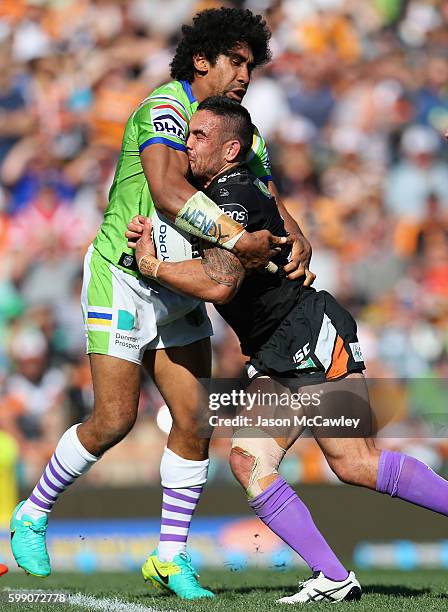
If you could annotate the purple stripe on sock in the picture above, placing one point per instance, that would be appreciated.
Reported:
(44, 494)
(40, 503)
(175, 523)
(171, 508)
(56, 488)
(63, 468)
(196, 489)
(181, 496)
(57, 475)
(172, 537)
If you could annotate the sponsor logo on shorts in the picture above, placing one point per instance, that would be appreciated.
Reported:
(103, 319)
(126, 320)
(99, 318)
(126, 341)
(304, 365)
(356, 351)
(301, 353)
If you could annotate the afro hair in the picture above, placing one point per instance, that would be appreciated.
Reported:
(215, 32)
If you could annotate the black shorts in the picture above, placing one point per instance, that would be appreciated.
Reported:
(315, 342)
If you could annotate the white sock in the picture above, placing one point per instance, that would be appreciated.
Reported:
(69, 460)
(182, 481)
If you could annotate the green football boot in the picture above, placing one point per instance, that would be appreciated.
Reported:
(178, 576)
(28, 544)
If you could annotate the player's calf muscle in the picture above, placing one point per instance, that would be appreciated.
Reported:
(99, 435)
(353, 461)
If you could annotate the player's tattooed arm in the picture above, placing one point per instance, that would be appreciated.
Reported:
(217, 280)
(223, 267)
(214, 278)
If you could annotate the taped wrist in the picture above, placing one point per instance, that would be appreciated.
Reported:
(148, 266)
(201, 217)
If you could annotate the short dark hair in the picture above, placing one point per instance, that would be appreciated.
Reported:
(216, 32)
(237, 121)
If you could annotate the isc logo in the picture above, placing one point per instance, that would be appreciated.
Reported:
(301, 353)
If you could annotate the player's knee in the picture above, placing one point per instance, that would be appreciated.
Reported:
(108, 433)
(241, 464)
(189, 444)
(252, 459)
(115, 432)
(186, 428)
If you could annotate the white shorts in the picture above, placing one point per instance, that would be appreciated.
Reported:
(125, 316)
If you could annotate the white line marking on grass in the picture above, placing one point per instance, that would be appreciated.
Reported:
(95, 603)
(110, 605)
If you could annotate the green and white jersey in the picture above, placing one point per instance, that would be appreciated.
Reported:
(162, 118)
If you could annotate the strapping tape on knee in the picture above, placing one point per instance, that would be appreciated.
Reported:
(265, 451)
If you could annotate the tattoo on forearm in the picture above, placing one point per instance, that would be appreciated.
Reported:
(223, 267)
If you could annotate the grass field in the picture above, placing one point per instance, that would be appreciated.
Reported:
(245, 591)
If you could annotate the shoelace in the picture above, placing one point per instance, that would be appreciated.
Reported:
(191, 574)
(305, 582)
(34, 543)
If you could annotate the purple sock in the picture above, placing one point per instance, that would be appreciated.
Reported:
(286, 515)
(412, 480)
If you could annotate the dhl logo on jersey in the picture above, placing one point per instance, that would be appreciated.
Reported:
(167, 120)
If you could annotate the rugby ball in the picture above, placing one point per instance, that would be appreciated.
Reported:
(171, 243)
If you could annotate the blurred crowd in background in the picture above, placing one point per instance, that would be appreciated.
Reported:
(353, 107)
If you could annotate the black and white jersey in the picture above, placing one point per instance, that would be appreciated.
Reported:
(264, 299)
